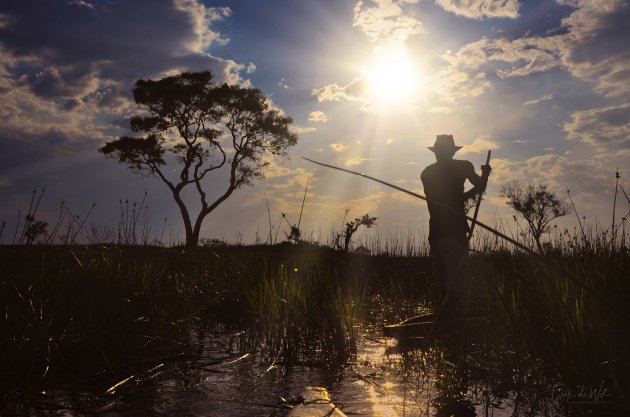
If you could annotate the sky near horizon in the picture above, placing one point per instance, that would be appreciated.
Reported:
(543, 84)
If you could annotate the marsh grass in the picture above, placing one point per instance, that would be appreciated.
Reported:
(101, 306)
(116, 309)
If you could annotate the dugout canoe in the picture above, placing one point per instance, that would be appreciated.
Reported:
(420, 327)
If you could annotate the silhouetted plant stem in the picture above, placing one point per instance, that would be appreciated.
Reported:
(269, 217)
(80, 224)
(145, 226)
(17, 226)
(28, 216)
(52, 235)
(163, 229)
(303, 200)
(614, 234)
(576, 215)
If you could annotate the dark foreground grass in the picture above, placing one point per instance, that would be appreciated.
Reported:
(79, 313)
(84, 309)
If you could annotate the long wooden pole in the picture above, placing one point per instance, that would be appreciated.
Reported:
(485, 183)
(420, 196)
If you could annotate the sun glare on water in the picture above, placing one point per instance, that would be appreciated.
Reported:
(392, 77)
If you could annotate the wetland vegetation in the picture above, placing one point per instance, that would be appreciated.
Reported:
(98, 329)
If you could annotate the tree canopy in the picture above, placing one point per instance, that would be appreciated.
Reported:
(191, 120)
(537, 205)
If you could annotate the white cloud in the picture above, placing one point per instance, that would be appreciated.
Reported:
(539, 100)
(232, 74)
(481, 144)
(384, 21)
(526, 55)
(317, 116)
(572, 3)
(478, 9)
(452, 83)
(335, 92)
(357, 160)
(338, 147)
(282, 83)
(304, 129)
(201, 18)
(594, 48)
(251, 67)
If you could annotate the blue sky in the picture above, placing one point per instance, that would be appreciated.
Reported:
(544, 84)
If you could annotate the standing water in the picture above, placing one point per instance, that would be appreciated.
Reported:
(213, 375)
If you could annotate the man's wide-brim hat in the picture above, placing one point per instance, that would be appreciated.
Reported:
(444, 143)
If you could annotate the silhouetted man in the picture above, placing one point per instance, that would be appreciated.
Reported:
(443, 184)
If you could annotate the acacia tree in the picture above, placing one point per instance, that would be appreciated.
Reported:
(204, 127)
(534, 203)
(351, 228)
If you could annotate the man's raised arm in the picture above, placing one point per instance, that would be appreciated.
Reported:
(478, 181)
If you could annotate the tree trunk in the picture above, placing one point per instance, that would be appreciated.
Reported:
(538, 244)
(191, 238)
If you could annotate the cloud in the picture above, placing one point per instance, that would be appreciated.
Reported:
(591, 181)
(525, 55)
(251, 67)
(596, 45)
(478, 9)
(539, 100)
(67, 68)
(338, 147)
(607, 128)
(357, 160)
(335, 92)
(112, 34)
(452, 83)
(593, 48)
(385, 22)
(317, 116)
(70, 49)
(282, 83)
(572, 3)
(26, 116)
(282, 177)
(388, 25)
(306, 129)
(481, 144)
(201, 18)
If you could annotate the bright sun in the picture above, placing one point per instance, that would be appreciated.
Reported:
(391, 76)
